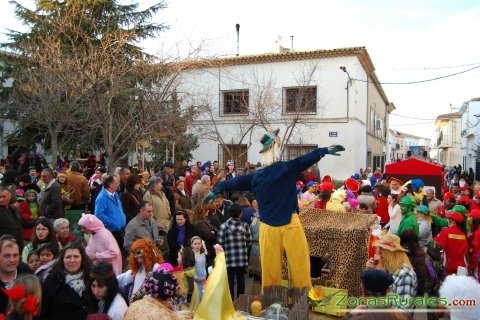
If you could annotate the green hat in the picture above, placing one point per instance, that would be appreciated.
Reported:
(268, 139)
(458, 208)
(408, 201)
(423, 209)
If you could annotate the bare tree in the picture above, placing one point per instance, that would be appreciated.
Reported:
(82, 70)
(263, 107)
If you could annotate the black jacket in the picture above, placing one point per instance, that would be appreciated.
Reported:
(60, 302)
(11, 223)
(172, 240)
(51, 205)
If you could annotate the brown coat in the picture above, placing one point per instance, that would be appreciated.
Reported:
(161, 209)
(79, 183)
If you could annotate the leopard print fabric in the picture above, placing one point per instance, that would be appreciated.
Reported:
(345, 237)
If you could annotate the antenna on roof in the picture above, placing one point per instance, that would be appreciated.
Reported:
(237, 27)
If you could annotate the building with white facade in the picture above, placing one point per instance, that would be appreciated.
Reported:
(448, 128)
(316, 98)
(404, 145)
(469, 135)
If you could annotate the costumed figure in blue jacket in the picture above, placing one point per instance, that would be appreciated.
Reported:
(280, 228)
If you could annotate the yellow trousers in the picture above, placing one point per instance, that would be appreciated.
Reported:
(289, 239)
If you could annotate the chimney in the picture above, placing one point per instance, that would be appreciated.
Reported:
(291, 44)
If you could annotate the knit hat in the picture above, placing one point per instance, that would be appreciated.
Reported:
(376, 281)
(268, 139)
(389, 242)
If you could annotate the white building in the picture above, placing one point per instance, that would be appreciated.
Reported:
(316, 98)
(448, 128)
(469, 134)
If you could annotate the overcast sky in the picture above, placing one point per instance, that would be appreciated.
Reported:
(408, 41)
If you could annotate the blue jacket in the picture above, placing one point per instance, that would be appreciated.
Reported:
(109, 210)
(274, 187)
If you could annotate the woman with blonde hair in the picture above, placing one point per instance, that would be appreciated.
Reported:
(25, 298)
(390, 256)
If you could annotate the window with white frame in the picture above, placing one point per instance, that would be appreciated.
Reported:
(300, 99)
(235, 102)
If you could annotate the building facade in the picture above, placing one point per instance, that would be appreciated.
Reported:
(316, 98)
(469, 136)
(448, 128)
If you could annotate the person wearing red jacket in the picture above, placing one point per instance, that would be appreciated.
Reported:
(475, 203)
(29, 212)
(382, 204)
(474, 265)
(453, 240)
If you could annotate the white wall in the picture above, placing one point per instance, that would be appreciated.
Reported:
(331, 107)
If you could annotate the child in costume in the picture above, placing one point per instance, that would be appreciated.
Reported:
(144, 257)
(200, 264)
(185, 272)
(29, 212)
(281, 231)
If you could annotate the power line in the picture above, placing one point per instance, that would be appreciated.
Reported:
(397, 115)
(421, 81)
(409, 124)
(439, 68)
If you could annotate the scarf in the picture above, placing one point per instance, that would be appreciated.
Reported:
(75, 281)
(181, 235)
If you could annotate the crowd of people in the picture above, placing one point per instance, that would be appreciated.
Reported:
(149, 236)
(144, 235)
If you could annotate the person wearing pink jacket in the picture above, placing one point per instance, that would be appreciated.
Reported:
(101, 244)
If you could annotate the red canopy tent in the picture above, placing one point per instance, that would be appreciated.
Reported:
(431, 174)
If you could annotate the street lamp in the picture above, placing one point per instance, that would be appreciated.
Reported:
(349, 83)
(348, 74)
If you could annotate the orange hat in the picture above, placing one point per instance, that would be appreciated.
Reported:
(352, 185)
(393, 179)
(475, 213)
(456, 216)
